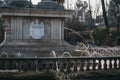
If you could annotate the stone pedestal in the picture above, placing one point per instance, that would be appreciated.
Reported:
(49, 37)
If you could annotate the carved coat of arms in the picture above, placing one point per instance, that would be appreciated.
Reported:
(36, 30)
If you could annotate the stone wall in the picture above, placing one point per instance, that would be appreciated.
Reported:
(19, 28)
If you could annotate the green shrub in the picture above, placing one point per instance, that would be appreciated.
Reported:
(99, 35)
(115, 36)
(28, 76)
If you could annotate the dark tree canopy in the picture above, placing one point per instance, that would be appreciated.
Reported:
(114, 12)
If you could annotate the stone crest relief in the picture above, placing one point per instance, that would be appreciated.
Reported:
(37, 29)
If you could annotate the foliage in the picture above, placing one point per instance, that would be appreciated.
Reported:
(98, 74)
(90, 75)
(115, 37)
(81, 22)
(114, 13)
(99, 35)
(28, 76)
(75, 24)
(73, 38)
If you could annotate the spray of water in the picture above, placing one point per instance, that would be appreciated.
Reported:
(91, 51)
(4, 39)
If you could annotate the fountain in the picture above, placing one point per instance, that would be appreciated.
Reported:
(97, 51)
(94, 51)
(35, 34)
(26, 37)
(3, 42)
(3, 54)
(66, 54)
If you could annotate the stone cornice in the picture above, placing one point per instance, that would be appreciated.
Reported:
(36, 13)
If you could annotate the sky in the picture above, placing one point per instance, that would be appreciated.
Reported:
(94, 5)
(35, 1)
(71, 2)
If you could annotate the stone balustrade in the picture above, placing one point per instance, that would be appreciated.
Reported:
(74, 64)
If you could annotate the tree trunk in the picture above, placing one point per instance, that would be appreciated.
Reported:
(118, 25)
(105, 17)
(107, 40)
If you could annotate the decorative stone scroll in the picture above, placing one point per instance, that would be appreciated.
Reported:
(36, 30)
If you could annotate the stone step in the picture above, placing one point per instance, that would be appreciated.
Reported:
(32, 49)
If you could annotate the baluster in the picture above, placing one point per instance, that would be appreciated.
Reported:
(108, 63)
(24, 66)
(30, 65)
(33, 66)
(35, 62)
(93, 65)
(71, 65)
(6, 65)
(55, 65)
(97, 64)
(50, 65)
(82, 65)
(112, 64)
(87, 64)
(10, 65)
(60, 66)
(19, 66)
(36, 65)
(3, 65)
(39, 65)
(102, 64)
(117, 63)
(68, 68)
(78, 66)
(47, 67)
(14, 65)
(65, 65)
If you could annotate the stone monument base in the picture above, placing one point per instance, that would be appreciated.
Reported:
(32, 48)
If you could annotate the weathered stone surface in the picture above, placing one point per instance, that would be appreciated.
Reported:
(36, 48)
(18, 31)
(20, 3)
